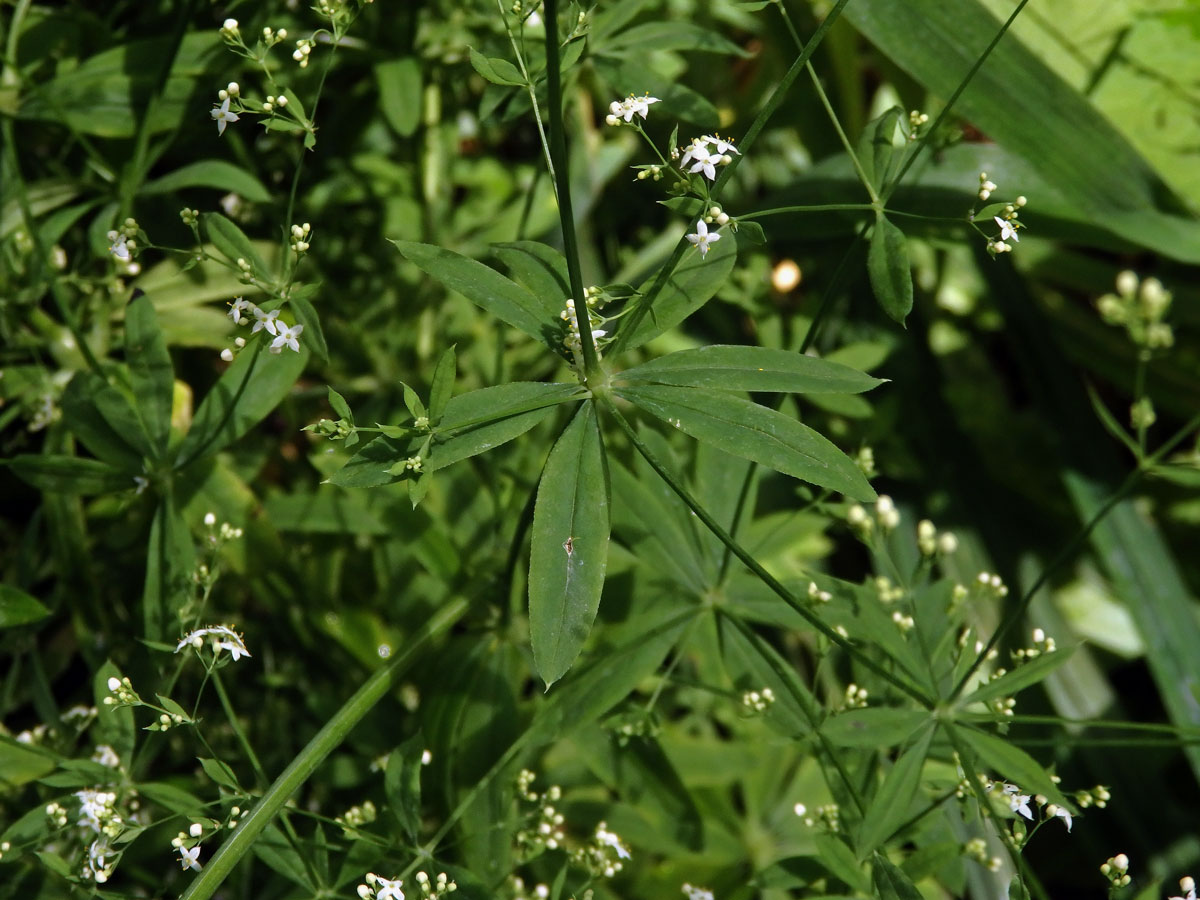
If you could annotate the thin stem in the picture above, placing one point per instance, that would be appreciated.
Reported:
(750, 562)
(307, 760)
(1139, 391)
(537, 112)
(840, 275)
(558, 152)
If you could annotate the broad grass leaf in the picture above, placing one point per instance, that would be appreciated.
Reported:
(488, 289)
(248, 391)
(1009, 761)
(399, 83)
(150, 372)
(875, 726)
(232, 243)
(737, 368)
(890, 807)
(890, 881)
(211, 173)
(1020, 103)
(753, 432)
(19, 608)
(889, 271)
(690, 286)
(569, 550)
(1016, 680)
(63, 474)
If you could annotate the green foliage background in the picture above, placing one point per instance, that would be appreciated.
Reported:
(998, 410)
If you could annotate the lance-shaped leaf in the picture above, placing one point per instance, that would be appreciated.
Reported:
(473, 423)
(248, 391)
(170, 561)
(753, 432)
(69, 474)
(569, 546)
(888, 268)
(734, 368)
(102, 417)
(1031, 672)
(233, 244)
(875, 726)
(542, 270)
(150, 373)
(1010, 762)
(889, 807)
(486, 288)
(695, 279)
(18, 607)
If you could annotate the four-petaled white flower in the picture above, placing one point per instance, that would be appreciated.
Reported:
(236, 308)
(1061, 812)
(264, 319)
(641, 105)
(707, 164)
(1018, 802)
(627, 108)
(287, 337)
(697, 149)
(1007, 229)
(189, 859)
(223, 115)
(723, 146)
(388, 890)
(702, 239)
(117, 246)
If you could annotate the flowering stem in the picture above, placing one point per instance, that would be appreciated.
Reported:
(307, 760)
(558, 153)
(748, 559)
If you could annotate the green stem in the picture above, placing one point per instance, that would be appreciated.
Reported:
(306, 762)
(748, 559)
(1139, 391)
(558, 153)
(537, 112)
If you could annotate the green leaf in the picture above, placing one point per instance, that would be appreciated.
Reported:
(878, 145)
(541, 269)
(221, 774)
(102, 417)
(875, 726)
(307, 316)
(890, 881)
(488, 289)
(1015, 680)
(734, 368)
(442, 385)
(839, 859)
(248, 391)
(399, 83)
(172, 798)
(339, 405)
(1029, 110)
(753, 432)
(750, 232)
(888, 268)
(1010, 762)
(672, 35)
(752, 664)
(211, 173)
(695, 280)
(402, 784)
(232, 243)
(629, 74)
(170, 563)
(691, 207)
(150, 372)
(569, 550)
(113, 726)
(497, 71)
(282, 855)
(21, 764)
(69, 474)
(891, 806)
(19, 608)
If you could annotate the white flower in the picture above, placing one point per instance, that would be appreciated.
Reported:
(1007, 229)
(189, 859)
(702, 239)
(264, 319)
(388, 890)
(708, 164)
(695, 893)
(236, 308)
(1187, 884)
(1061, 812)
(723, 146)
(639, 105)
(1018, 802)
(236, 650)
(287, 337)
(224, 638)
(697, 149)
(223, 115)
(117, 246)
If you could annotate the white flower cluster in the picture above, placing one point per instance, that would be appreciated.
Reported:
(189, 857)
(221, 637)
(695, 893)
(758, 701)
(931, 543)
(377, 888)
(1139, 306)
(828, 815)
(705, 153)
(1019, 804)
(223, 114)
(603, 855)
(626, 109)
(1041, 644)
(1116, 870)
(573, 341)
(121, 243)
(284, 335)
(97, 812)
(856, 697)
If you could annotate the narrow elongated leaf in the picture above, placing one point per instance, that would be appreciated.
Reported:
(21, 764)
(1011, 762)
(888, 268)
(890, 881)
(103, 418)
(399, 83)
(569, 550)
(876, 726)
(442, 385)
(839, 860)
(211, 173)
(541, 269)
(150, 372)
(69, 474)
(248, 391)
(486, 288)
(753, 663)
(753, 432)
(313, 336)
(18, 607)
(1022, 676)
(402, 783)
(734, 368)
(233, 244)
(889, 807)
(670, 36)
(691, 285)
(169, 565)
